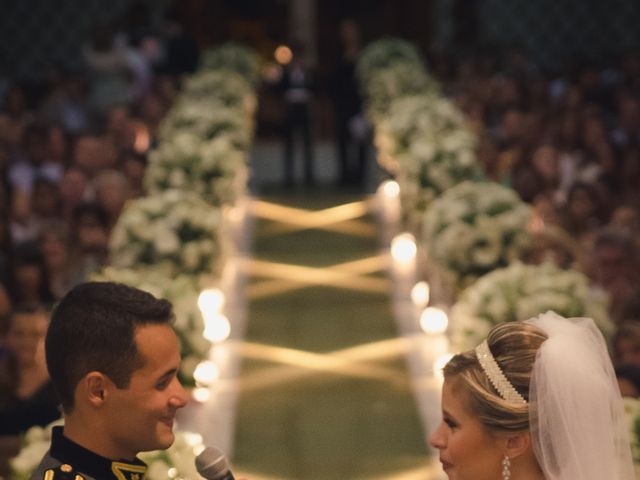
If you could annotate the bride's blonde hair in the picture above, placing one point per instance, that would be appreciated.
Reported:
(514, 346)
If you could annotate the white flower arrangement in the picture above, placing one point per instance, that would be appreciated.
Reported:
(221, 88)
(383, 54)
(426, 124)
(35, 443)
(233, 56)
(520, 292)
(177, 462)
(207, 122)
(632, 415)
(174, 230)
(215, 169)
(388, 69)
(472, 229)
(182, 291)
(387, 85)
(433, 148)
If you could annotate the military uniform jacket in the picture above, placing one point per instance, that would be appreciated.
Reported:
(66, 460)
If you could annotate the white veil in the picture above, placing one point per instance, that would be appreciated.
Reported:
(577, 420)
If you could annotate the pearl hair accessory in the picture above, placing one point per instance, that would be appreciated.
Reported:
(495, 375)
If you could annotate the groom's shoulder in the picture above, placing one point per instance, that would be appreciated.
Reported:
(52, 469)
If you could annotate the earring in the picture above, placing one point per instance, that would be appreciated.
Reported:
(506, 470)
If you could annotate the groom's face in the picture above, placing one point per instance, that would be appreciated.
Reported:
(142, 414)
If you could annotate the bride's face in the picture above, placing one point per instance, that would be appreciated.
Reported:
(467, 450)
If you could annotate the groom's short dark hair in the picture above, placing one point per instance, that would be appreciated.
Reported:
(93, 329)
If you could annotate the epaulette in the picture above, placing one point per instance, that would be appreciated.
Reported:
(62, 472)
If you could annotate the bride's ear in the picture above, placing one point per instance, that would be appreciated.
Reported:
(517, 444)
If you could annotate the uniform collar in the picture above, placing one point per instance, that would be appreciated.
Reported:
(92, 464)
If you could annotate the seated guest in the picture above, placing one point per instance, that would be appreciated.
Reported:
(54, 244)
(89, 238)
(28, 285)
(627, 218)
(551, 244)
(112, 191)
(628, 377)
(27, 396)
(626, 344)
(614, 269)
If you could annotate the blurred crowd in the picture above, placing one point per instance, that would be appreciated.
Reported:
(73, 150)
(569, 144)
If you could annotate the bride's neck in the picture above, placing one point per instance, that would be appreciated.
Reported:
(526, 468)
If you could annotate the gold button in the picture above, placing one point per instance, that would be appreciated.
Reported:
(66, 468)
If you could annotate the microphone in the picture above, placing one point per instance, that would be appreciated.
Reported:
(212, 464)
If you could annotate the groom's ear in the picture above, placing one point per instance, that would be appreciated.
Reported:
(517, 444)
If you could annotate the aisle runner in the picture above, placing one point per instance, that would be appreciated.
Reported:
(324, 389)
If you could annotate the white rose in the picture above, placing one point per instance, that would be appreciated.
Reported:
(152, 208)
(191, 255)
(424, 151)
(528, 307)
(497, 308)
(125, 257)
(119, 236)
(184, 462)
(557, 301)
(177, 178)
(540, 282)
(141, 230)
(30, 456)
(439, 177)
(488, 243)
(181, 319)
(157, 470)
(165, 241)
(135, 214)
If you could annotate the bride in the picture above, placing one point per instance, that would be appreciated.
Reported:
(537, 400)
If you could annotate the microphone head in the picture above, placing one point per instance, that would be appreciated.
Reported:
(212, 464)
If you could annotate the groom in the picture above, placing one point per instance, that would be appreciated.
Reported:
(113, 358)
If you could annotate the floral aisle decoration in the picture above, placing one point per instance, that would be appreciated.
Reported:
(472, 229)
(207, 122)
(177, 462)
(35, 443)
(175, 240)
(221, 87)
(433, 147)
(386, 86)
(205, 138)
(216, 169)
(174, 230)
(520, 292)
(384, 54)
(390, 68)
(182, 291)
(422, 138)
(235, 57)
